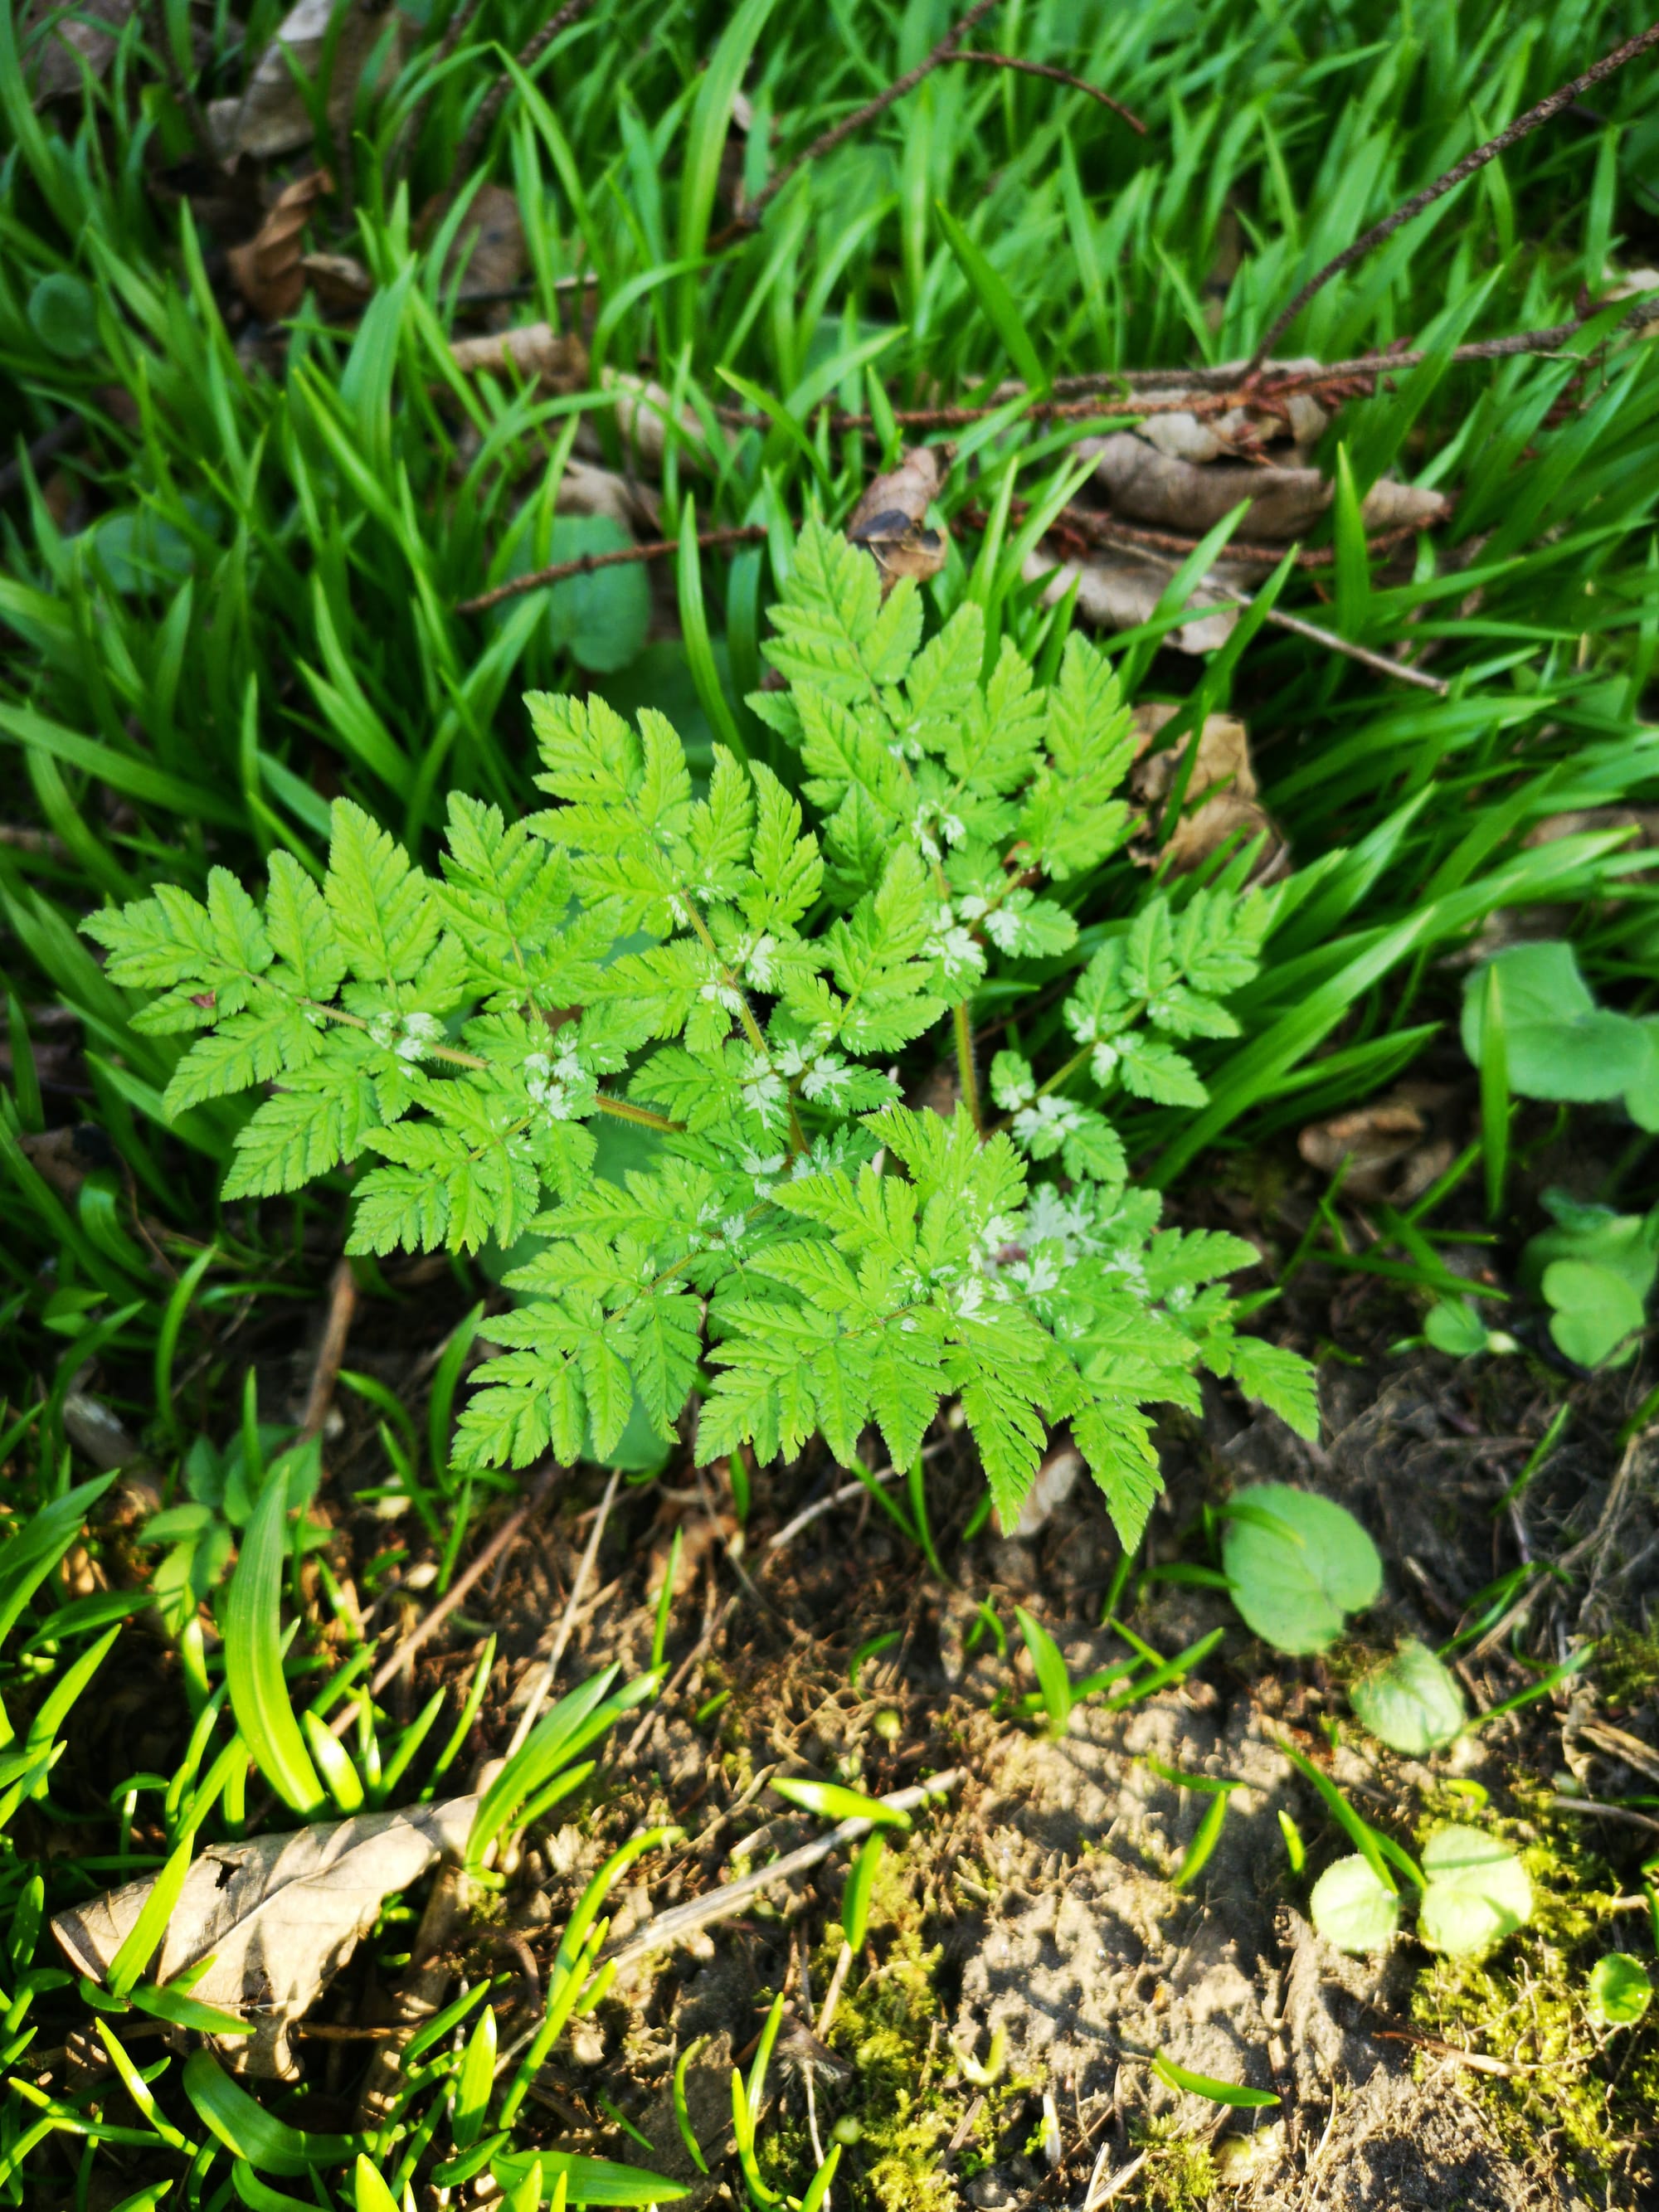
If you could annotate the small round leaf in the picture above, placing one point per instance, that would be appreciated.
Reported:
(1620, 1990)
(1478, 1892)
(1454, 1328)
(1412, 1702)
(1298, 1564)
(1596, 1309)
(64, 315)
(1350, 1908)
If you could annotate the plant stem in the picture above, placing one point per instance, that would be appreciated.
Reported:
(624, 1110)
(967, 1074)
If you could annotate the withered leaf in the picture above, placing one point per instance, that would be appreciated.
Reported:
(1392, 1152)
(1169, 492)
(268, 271)
(1121, 588)
(340, 280)
(489, 251)
(277, 1915)
(1221, 803)
(269, 118)
(57, 42)
(890, 520)
(536, 352)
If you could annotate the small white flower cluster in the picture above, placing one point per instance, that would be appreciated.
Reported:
(411, 1036)
(952, 944)
(559, 1083)
(933, 828)
(1042, 1126)
(1095, 1027)
(757, 959)
(764, 1089)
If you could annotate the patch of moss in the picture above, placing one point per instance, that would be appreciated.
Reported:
(1180, 2173)
(904, 2093)
(1627, 1668)
(1580, 2098)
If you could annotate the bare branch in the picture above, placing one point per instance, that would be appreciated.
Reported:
(1522, 127)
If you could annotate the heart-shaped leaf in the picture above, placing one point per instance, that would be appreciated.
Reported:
(1410, 1702)
(64, 315)
(1477, 1892)
(1620, 1990)
(1350, 1908)
(1595, 1309)
(1298, 1564)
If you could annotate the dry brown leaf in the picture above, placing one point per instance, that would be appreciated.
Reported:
(536, 352)
(1171, 493)
(342, 285)
(1392, 1152)
(1119, 589)
(699, 1532)
(56, 42)
(1055, 1481)
(890, 520)
(489, 251)
(1222, 802)
(268, 271)
(269, 118)
(586, 488)
(278, 1916)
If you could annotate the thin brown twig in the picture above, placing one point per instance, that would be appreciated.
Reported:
(484, 121)
(1401, 670)
(330, 1352)
(1523, 126)
(1055, 75)
(538, 1696)
(1598, 1809)
(1476, 2061)
(659, 548)
(1201, 391)
(827, 141)
(681, 1921)
(1107, 529)
(506, 1535)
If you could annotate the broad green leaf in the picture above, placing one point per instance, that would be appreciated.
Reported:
(589, 2180)
(831, 1801)
(1203, 2085)
(1053, 1680)
(1596, 1311)
(860, 1887)
(1298, 1564)
(249, 2131)
(253, 1657)
(1350, 1908)
(64, 314)
(1477, 1892)
(1453, 1325)
(1412, 1702)
(1620, 1990)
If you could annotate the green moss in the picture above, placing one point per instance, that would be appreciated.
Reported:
(905, 2092)
(1180, 2175)
(1589, 2105)
(1627, 1668)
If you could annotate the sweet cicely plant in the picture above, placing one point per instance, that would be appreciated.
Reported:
(757, 994)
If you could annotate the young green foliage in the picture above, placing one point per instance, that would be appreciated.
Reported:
(752, 989)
